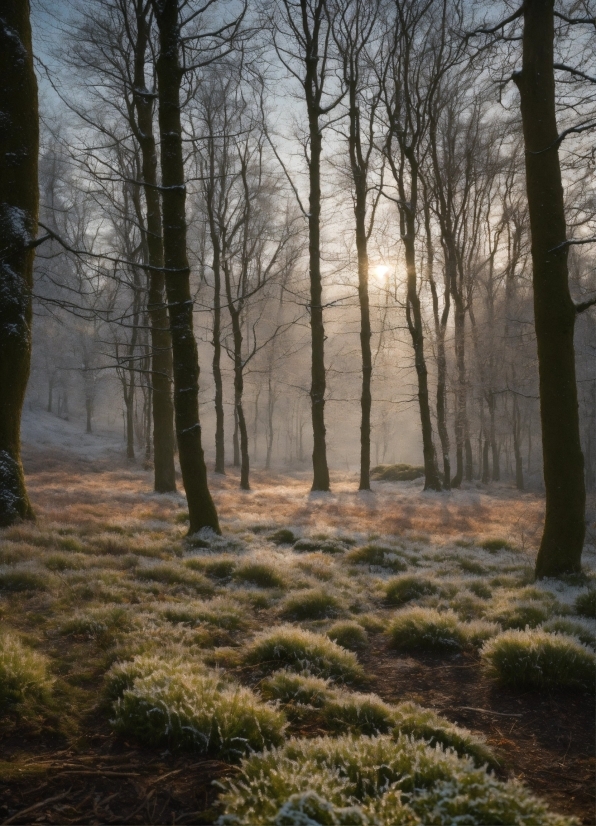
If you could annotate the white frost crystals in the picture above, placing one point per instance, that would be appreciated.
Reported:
(10, 495)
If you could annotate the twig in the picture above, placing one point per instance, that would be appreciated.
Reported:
(100, 773)
(35, 806)
(485, 711)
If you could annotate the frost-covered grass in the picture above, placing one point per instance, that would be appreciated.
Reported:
(23, 673)
(106, 576)
(22, 580)
(538, 659)
(302, 650)
(426, 629)
(314, 604)
(348, 634)
(406, 588)
(183, 705)
(374, 780)
(585, 604)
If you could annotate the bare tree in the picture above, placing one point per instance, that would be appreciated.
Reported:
(302, 34)
(411, 69)
(201, 508)
(353, 28)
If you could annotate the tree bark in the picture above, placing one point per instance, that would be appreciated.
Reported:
(318, 377)
(414, 319)
(201, 509)
(164, 442)
(440, 320)
(554, 312)
(19, 204)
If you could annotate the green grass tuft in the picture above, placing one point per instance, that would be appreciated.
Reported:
(21, 580)
(570, 627)
(311, 605)
(496, 544)
(348, 634)
(175, 575)
(426, 629)
(404, 589)
(377, 556)
(284, 536)
(188, 707)
(374, 780)
(23, 673)
(537, 659)
(260, 574)
(300, 650)
(585, 604)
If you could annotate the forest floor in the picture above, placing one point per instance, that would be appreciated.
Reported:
(97, 578)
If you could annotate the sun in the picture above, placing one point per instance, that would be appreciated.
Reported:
(380, 272)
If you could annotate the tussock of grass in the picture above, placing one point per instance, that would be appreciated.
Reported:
(494, 545)
(377, 556)
(284, 536)
(175, 575)
(374, 780)
(260, 574)
(300, 650)
(23, 673)
(111, 546)
(218, 568)
(404, 589)
(311, 605)
(585, 604)
(367, 714)
(98, 622)
(220, 613)
(515, 613)
(537, 659)
(296, 690)
(480, 589)
(348, 634)
(326, 546)
(22, 580)
(426, 629)
(65, 562)
(191, 708)
(570, 627)
(470, 566)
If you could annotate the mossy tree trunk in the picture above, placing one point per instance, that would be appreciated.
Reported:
(554, 312)
(19, 203)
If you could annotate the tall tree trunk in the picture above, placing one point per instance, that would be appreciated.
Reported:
(496, 472)
(220, 466)
(89, 412)
(164, 443)
(19, 203)
(485, 463)
(440, 320)
(318, 378)
(240, 419)
(460, 390)
(414, 319)
(270, 411)
(318, 383)
(554, 312)
(519, 464)
(201, 508)
(365, 328)
(129, 400)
